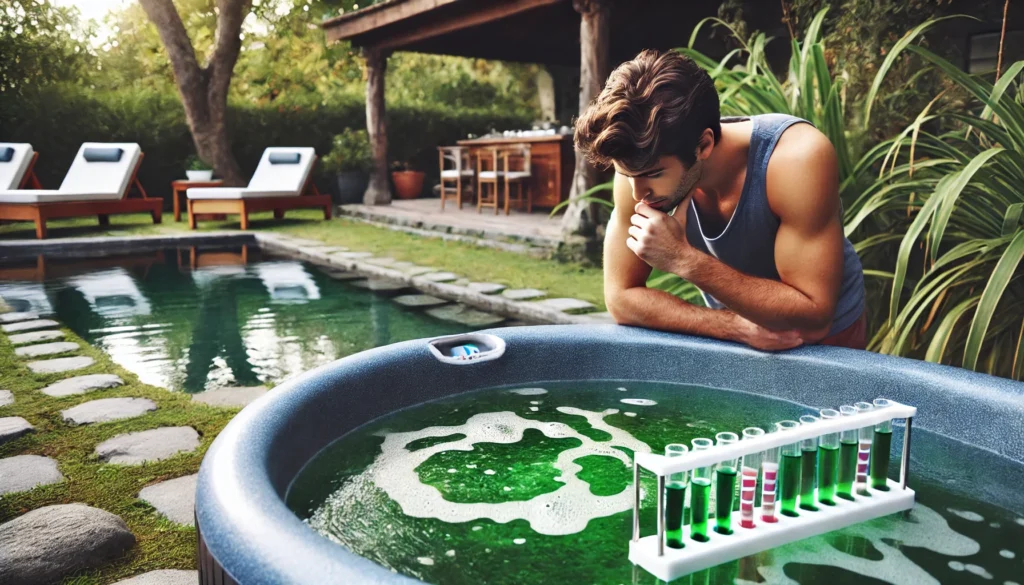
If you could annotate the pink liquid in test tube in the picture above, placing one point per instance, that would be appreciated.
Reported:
(863, 451)
(771, 473)
(748, 488)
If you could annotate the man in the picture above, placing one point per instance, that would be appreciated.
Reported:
(747, 209)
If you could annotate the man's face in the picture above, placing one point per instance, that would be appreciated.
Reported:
(665, 185)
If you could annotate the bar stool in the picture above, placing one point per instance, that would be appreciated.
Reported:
(462, 169)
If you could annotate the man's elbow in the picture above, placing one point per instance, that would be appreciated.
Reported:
(618, 308)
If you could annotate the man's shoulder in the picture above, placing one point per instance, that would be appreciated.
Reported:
(803, 169)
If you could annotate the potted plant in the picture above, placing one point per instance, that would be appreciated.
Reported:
(197, 170)
(349, 162)
(408, 182)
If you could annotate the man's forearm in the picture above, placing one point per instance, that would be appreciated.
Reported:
(657, 309)
(769, 303)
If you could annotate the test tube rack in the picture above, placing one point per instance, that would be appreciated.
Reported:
(667, 564)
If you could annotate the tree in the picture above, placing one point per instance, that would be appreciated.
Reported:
(204, 89)
(45, 44)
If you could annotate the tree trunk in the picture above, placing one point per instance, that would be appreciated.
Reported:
(204, 90)
(377, 192)
(581, 219)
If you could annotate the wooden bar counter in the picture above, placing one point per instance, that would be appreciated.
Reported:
(552, 162)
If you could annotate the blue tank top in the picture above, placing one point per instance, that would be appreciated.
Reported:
(748, 241)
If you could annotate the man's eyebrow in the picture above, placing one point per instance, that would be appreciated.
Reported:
(645, 173)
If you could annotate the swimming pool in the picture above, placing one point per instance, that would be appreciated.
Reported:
(195, 319)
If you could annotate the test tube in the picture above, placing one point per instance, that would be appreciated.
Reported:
(725, 485)
(675, 498)
(808, 466)
(748, 480)
(769, 488)
(880, 450)
(863, 451)
(847, 457)
(790, 470)
(828, 461)
(700, 495)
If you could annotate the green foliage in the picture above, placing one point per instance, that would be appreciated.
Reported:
(194, 163)
(350, 152)
(38, 46)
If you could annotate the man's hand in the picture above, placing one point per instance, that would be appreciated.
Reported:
(659, 239)
(752, 334)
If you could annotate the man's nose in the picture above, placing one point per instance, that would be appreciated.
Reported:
(640, 190)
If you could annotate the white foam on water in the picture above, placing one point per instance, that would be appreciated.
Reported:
(534, 408)
(475, 528)
(566, 510)
(530, 391)
(471, 466)
(925, 528)
(1010, 583)
(994, 525)
(979, 571)
(535, 402)
(507, 489)
(638, 402)
(629, 413)
(453, 471)
(967, 515)
(621, 389)
(450, 553)
(1007, 554)
(1020, 521)
(490, 472)
(520, 541)
(425, 561)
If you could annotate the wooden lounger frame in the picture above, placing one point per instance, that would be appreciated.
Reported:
(39, 213)
(309, 198)
(30, 180)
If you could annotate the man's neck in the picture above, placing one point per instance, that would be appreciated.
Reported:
(724, 168)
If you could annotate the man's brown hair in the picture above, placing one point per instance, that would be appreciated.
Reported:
(658, 104)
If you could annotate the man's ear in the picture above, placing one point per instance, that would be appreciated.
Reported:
(706, 144)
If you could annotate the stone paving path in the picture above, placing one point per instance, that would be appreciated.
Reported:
(35, 336)
(82, 384)
(56, 366)
(24, 472)
(42, 349)
(175, 498)
(163, 577)
(107, 410)
(146, 446)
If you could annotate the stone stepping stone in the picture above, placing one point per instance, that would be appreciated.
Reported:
(29, 325)
(146, 446)
(107, 409)
(12, 427)
(175, 498)
(417, 270)
(46, 349)
(344, 275)
(230, 397)
(35, 337)
(24, 472)
(48, 544)
(403, 266)
(6, 397)
(566, 305)
(380, 285)
(461, 282)
(82, 384)
(523, 294)
(603, 317)
(60, 364)
(352, 255)
(382, 261)
(465, 316)
(486, 288)
(163, 577)
(419, 301)
(440, 276)
(14, 317)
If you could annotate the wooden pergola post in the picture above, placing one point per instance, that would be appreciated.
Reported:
(580, 220)
(378, 191)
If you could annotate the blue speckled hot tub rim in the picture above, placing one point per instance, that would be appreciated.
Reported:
(246, 528)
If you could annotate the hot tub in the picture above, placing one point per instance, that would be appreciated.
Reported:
(248, 534)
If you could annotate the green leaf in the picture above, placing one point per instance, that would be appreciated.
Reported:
(1001, 275)
(945, 330)
(1012, 218)
(951, 193)
(906, 246)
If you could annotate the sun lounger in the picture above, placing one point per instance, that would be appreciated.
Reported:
(17, 163)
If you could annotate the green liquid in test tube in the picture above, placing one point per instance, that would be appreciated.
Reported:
(847, 457)
(828, 461)
(675, 499)
(880, 450)
(790, 480)
(725, 486)
(700, 495)
(808, 466)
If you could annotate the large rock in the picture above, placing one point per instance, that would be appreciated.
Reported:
(82, 384)
(174, 498)
(380, 285)
(465, 316)
(439, 276)
(60, 364)
(24, 472)
(145, 446)
(419, 301)
(108, 409)
(46, 349)
(15, 317)
(522, 294)
(50, 543)
(486, 288)
(12, 427)
(36, 336)
(6, 397)
(163, 577)
(230, 397)
(29, 325)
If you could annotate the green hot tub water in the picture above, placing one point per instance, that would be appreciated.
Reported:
(527, 486)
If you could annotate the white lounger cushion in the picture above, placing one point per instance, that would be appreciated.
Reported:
(86, 181)
(454, 174)
(269, 180)
(12, 172)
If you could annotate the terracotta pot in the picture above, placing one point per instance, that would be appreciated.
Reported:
(408, 184)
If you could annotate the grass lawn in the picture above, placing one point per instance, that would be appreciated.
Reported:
(514, 270)
(114, 488)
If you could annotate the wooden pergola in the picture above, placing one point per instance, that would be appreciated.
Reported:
(590, 34)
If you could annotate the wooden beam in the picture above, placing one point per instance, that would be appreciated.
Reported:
(375, 16)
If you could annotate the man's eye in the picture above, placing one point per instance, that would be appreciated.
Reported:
(654, 176)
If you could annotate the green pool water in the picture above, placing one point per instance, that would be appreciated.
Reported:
(525, 486)
(226, 322)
